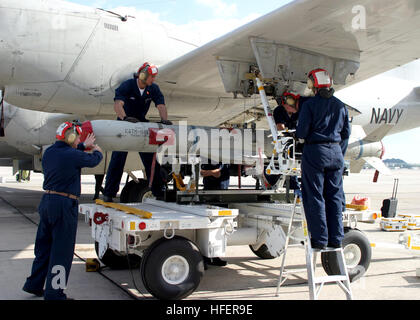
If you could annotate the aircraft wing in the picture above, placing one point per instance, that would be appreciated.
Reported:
(78, 71)
(353, 112)
(357, 165)
(378, 34)
(380, 133)
(378, 165)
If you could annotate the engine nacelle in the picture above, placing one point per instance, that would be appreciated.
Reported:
(28, 130)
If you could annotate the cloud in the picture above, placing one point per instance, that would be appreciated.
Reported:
(219, 7)
(198, 32)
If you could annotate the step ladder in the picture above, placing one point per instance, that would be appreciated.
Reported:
(315, 283)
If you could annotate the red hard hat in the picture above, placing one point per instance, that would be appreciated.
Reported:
(62, 129)
(149, 69)
(287, 96)
(320, 78)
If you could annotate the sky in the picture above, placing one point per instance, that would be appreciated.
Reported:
(184, 11)
(208, 19)
(205, 20)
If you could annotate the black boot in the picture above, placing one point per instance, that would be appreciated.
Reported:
(334, 245)
(215, 262)
(108, 199)
(36, 293)
(316, 245)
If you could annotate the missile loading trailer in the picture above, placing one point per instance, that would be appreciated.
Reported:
(168, 238)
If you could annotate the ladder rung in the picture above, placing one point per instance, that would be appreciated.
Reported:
(293, 271)
(342, 279)
(329, 279)
(295, 245)
(327, 250)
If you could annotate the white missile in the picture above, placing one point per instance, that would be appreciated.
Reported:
(239, 146)
(235, 146)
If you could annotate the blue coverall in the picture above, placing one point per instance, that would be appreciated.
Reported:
(324, 124)
(212, 183)
(56, 235)
(135, 106)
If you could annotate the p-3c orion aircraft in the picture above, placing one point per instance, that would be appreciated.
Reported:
(61, 61)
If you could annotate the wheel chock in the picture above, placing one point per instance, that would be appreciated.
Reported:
(92, 265)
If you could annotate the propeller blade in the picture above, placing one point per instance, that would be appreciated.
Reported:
(376, 176)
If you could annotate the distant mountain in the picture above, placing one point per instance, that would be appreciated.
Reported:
(393, 163)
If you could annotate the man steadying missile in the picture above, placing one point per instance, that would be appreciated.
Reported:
(325, 127)
(58, 210)
(286, 116)
(131, 103)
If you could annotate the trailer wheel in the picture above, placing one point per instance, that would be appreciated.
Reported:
(172, 269)
(262, 252)
(117, 262)
(135, 192)
(357, 252)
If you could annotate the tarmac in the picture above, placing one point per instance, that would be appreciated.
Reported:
(391, 275)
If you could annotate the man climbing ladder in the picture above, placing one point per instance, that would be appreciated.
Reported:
(315, 283)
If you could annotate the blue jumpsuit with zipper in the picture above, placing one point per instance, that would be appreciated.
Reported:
(56, 235)
(136, 105)
(324, 124)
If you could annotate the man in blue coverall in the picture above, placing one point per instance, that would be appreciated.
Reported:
(215, 176)
(286, 116)
(56, 236)
(131, 103)
(325, 128)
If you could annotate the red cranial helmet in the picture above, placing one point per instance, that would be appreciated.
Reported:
(319, 78)
(64, 127)
(290, 99)
(147, 70)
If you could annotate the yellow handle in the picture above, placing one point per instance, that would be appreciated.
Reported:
(127, 209)
(179, 183)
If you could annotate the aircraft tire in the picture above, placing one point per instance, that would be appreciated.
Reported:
(172, 269)
(357, 252)
(135, 192)
(262, 252)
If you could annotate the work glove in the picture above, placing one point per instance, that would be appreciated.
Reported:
(131, 119)
(166, 122)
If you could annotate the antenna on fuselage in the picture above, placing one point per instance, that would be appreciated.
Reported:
(2, 133)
